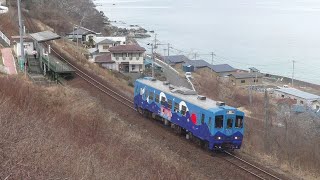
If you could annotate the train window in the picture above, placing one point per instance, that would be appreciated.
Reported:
(151, 96)
(145, 94)
(163, 100)
(239, 122)
(176, 107)
(169, 103)
(183, 110)
(219, 121)
(229, 123)
(157, 98)
(210, 122)
(202, 118)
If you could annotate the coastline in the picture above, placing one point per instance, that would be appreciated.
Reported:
(122, 28)
(259, 47)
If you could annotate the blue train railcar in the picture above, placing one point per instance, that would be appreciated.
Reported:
(215, 124)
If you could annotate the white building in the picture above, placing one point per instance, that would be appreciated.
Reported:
(301, 97)
(123, 58)
(28, 45)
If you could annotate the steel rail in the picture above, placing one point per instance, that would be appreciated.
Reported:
(106, 92)
(251, 165)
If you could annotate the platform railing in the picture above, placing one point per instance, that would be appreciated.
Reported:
(4, 37)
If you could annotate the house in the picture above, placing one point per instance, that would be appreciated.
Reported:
(82, 34)
(104, 45)
(245, 79)
(175, 59)
(27, 43)
(106, 61)
(302, 98)
(222, 70)
(128, 58)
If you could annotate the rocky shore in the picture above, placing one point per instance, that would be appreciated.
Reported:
(131, 31)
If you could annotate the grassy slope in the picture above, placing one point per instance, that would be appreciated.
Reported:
(63, 133)
(299, 154)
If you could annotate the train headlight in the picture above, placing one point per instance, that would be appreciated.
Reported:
(236, 137)
(218, 137)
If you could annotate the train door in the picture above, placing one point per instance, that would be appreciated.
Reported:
(229, 123)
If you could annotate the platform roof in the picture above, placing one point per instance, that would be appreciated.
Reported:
(44, 36)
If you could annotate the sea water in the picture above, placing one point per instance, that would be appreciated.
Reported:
(268, 35)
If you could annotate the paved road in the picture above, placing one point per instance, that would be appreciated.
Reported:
(8, 60)
(173, 76)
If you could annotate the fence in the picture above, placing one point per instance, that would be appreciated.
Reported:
(4, 37)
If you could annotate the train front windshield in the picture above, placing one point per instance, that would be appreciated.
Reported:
(239, 122)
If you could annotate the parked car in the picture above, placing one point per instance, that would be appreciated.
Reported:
(188, 75)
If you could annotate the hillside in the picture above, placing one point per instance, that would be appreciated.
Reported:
(62, 133)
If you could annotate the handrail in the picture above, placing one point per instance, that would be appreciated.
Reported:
(4, 37)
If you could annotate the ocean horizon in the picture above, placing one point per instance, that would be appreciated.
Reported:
(266, 35)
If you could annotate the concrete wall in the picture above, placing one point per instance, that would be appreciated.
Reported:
(28, 46)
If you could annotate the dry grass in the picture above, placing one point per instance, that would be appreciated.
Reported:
(60, 133)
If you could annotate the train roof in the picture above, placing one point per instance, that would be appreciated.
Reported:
(183, 93)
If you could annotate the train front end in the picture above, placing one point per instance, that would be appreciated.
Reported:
(229, 128)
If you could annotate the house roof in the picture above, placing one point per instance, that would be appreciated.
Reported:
(126, 48)
(82, 31)
(176, 59)
(220, 68)
(106, 58)
(114, 39)
(198, 63)
(298, 93)
(244, 75)
(44, 36)
(25, 38)
(106, 41)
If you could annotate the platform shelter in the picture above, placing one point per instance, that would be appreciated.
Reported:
(49, 64)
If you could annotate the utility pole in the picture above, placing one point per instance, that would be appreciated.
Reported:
(164, 55)
(195, 56)
(267, 121)
(152, 55)
(168, 49)
(212, 57)
(292, 72)
(22, 58)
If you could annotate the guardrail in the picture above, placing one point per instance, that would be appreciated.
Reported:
(4, 37)
(3, 9)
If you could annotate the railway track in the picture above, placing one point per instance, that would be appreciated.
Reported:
(248, 167)
(236, 161)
